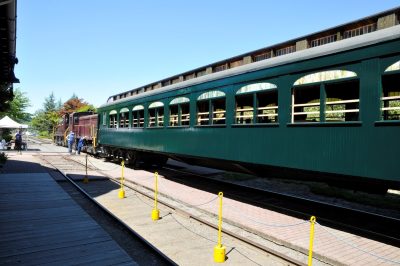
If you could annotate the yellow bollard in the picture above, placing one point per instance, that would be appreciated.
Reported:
(219, 249)
(86, 179)
(312, 220)
(121, 193)
(155, 213)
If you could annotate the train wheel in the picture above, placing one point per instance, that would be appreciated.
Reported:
(131, 157)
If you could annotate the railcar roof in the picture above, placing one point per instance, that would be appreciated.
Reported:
(383, 35)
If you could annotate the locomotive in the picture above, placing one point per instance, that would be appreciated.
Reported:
(83, 124)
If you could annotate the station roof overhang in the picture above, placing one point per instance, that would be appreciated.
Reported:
(8, 29)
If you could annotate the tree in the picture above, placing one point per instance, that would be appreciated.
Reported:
(17, 107)
(87, 108)
(72, 105)
(6, 96)
(49, 104)
(47, 118)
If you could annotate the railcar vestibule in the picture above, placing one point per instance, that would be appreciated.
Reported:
(319, 97)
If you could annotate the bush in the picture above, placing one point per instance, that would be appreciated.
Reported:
(44, 134)
(7, 137)
(3, 157)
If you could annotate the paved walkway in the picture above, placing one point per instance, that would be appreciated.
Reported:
(40, 224)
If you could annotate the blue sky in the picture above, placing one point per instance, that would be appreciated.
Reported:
(97, 48)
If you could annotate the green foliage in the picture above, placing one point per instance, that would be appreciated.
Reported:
(49, 104)
(17, 107)
(44, 134)
(74, 96)
(46, 119)
(6, 135)
(39, 121)
(6, 96)
(87, 108)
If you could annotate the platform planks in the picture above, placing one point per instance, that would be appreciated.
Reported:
(41, 224)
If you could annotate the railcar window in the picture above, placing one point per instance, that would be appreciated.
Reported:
(306, 104)
(218, 111)
(104, 118)
(267, 107)
(184, 114)
(211, 108)
(124, 118)
(156, 114)
(138, 116)
(257, 103)
(179, 112)
(244, 109)
(113, 119)
(390, 103)
(174, 115)
(337, 90)
(203, 112)
(342, 101)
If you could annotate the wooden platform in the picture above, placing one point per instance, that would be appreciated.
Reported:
(41, 224)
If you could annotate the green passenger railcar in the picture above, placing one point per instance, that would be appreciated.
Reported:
(330, 112)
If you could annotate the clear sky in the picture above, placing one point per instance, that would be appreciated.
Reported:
(97, 48)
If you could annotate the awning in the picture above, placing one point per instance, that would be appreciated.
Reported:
(7, 122)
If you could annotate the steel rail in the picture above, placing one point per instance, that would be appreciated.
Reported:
(367, 224)
(199, 219)
(115, 218)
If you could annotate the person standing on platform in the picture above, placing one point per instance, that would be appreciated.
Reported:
(70, 140)
(18, 141)
(81, 143)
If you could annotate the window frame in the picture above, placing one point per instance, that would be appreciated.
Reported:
(156, 107)
(113, 117)
(124, 114)
(207, 97)
(178, 102)
(269, 88)
(137, 110)
(349, 76)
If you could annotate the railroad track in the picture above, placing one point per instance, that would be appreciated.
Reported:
(73, 164)
(144, 252)
(366, 224)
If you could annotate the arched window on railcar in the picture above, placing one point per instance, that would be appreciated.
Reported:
(262, 97)
(156, 114)
(328, 96)
(211, 108)
(138, 116)
(179, 112)
(124, 118)
(390, 102)
(113, 119)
